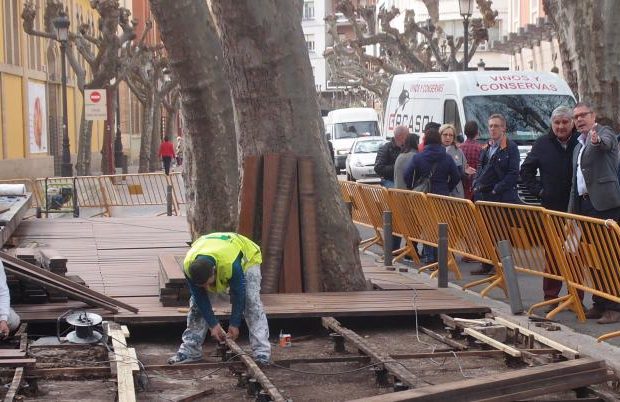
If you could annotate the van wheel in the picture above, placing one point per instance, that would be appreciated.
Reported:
(349, 177)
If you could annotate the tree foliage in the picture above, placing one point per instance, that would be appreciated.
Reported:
(417, 49)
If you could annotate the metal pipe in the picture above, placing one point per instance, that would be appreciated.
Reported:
(169, 200)
(387, 238)
(442, 256)
(512, 284)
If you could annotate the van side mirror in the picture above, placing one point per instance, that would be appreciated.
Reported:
(328, 135)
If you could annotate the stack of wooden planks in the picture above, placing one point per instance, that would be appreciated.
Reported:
(278, 211)
(24, 291)
(173, 291)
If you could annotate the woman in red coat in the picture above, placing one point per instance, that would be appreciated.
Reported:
(166, 153)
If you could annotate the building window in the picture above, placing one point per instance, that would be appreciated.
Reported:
(308, 10)
(12, 30)
(310, 42)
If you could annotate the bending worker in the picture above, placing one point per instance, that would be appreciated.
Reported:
(214, 263)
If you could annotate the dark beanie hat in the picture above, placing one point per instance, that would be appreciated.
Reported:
(201, 269)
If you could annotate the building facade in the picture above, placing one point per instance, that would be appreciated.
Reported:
(31, 93)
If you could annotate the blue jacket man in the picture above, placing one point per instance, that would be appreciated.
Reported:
(498, 171)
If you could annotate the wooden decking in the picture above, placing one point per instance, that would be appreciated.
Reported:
(119, 257)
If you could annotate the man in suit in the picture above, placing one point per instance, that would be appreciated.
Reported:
(595, 190)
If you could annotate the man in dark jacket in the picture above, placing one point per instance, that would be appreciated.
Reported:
(384, 163)
(498, 171)
(552, 155)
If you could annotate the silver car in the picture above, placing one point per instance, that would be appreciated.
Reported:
(360, 163)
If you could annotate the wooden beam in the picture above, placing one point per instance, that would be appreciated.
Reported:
(69, 373)
(124, 363)
(17, 380)
(493, 342)
(374, 352)
(444, 339)
(566, 351)
(509, 386)
(256, 372)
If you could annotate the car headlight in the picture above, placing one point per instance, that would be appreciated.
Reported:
(358, 164)
(342, 152)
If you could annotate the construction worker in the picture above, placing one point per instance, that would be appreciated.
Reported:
(215, 263)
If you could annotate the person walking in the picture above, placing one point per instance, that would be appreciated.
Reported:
(215, 263)
(595, 190)
(166, 153)
(552, 156)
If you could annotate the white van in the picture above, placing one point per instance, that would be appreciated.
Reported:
(345, 125)
(525, 98)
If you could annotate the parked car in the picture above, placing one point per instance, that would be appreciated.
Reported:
(360, 162)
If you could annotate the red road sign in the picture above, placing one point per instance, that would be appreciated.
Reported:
(95, 97)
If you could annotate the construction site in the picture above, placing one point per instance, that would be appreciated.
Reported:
(101, 294)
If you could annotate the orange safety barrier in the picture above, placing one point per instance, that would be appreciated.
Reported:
(349, 194)
(467, 234)
(533, 246)
(374, 200)
(590, 249)
(411, 226)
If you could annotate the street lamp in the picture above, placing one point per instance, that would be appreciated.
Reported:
(118, 141)
(466, 8)
(61, 23)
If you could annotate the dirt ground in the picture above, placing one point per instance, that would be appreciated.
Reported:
(300, 382)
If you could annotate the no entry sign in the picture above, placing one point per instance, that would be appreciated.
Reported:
(95, 104)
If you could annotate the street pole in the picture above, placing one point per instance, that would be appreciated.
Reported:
(66, 168)
(118, 142)
(466, 42)
(108, 131)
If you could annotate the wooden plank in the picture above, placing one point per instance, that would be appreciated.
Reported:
(171, 268)
(492, 342)
(35, 274)
(249, 195)
(309, 231)
(18, 362)
(566, 351)
(123, 362)
(255, 371)
(17, 380)
(69, 373)
(444, 339)
(509, 386)
(373, 351)
(290, 277)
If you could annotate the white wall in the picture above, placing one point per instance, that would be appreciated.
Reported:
(316, 29)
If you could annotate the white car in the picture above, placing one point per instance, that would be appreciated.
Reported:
(360, 163)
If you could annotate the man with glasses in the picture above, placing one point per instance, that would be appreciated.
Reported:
(595, 190)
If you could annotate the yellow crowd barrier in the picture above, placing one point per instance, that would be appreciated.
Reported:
(350, 193)
(591, 255)
(582, 252)
(533, 246)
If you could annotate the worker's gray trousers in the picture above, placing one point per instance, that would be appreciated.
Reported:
(255, 318)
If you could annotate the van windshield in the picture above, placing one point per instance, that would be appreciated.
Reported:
(527, 116)
(356, 129)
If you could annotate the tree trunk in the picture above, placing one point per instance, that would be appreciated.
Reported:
(82, 166)
(147, 132)
(211, 172)
(590, 50)
(276, 107)
(154, 162)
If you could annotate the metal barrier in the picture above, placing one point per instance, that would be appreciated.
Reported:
(374, 200)
(590, 249)
(360, 214)
(528, 230)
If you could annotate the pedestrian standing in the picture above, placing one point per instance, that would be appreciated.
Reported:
(471, 149)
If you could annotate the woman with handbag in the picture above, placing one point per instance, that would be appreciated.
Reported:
(432, 171)
(448, 140)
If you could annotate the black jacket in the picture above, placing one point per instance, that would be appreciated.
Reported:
(556, 170)
(384, 163)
